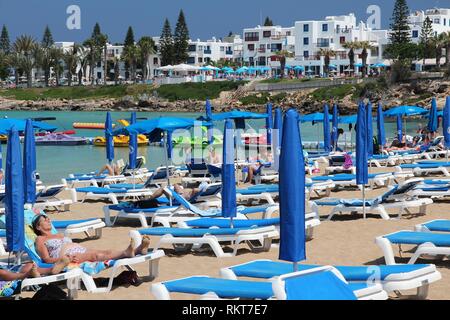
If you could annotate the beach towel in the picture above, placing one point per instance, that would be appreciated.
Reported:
(10, 288)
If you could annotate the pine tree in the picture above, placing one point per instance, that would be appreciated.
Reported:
(166, 44)
(400, 46)
(47, 39)
(128, 43)
(181, 40)
(426, 39)
(5, 45)
(129, 38)
(268, 22)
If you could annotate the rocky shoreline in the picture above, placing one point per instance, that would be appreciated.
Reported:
(418, 93)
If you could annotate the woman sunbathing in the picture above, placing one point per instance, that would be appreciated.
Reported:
(112, 169)
(31, 270)
(52, 247)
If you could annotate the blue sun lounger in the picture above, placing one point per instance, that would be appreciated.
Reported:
(324, 283)
(111, 194)
(187, 238)
(393, 278)
(434, 226)
(429, 244)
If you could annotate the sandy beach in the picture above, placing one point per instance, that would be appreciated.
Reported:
(347, 240)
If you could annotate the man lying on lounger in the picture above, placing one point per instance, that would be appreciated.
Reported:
(187, 193)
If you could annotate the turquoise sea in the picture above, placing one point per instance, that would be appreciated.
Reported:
(55, 162)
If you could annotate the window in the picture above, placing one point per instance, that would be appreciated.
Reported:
(251, 47)
(222, 49)
(342, 40)
(251, 36)
(325, 27)
(155, 61)
(191, 60)
(306, 54)
(267, 34)
(192, 48)
(288, 33)
(323, 43)
(99, 64)
(445, 21)
(305, 41)
(200, 60)
(415, 34)
(437, 21)
(200, 48)
(306, 28)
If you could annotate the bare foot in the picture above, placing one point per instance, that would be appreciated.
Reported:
(145, 244)
(34, 273)
(129, 252)
(60, 265)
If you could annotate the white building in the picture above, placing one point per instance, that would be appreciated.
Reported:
(440, 19)
(203, 52)
(332, 33)
(261, 43)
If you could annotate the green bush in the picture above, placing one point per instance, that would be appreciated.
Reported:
(337, 92)
(196, 91)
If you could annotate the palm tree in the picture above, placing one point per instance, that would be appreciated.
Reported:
(327, 54)
(281, 56)
(116, 70)
(351, 46)
(82, 62)
(103, 42)
(364, 45)
(57, 55)
(438, 42)
(146, 47)
(131, 55)
(445, 37)
(26, 48)
(13, 60)
(70, 60)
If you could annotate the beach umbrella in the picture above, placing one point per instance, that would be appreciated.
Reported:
(132, 144)
(29, 164)
(369, 126)
(312, 117)
(276, 138)
(405, 111)
(208, 110)
(109, 138)
(399, 128)
(432, 125)
(292, 193)
(361, 152)
(380, 126)
(269, 121)
(335, 127)
(446, 124)
(229, 208)
(14, 200)
(326, 129)
(7, 123)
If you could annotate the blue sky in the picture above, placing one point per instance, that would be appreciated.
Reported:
(206, 18)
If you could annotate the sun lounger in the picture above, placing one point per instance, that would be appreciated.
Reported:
(428, 244)
(48, 198)
(182, 211)
(381, 160)
(419, 169)
(111, 194)
(393, 278)
(324, 283)
(395, 198)
(440, 225)
(193, 238)
(349, 180)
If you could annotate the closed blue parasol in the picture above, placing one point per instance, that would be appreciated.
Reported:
(109, 138)
(335, 127)
(276, 138)
(432, 125)
(326, 129)
(132, 144)
(361, 151)
(269, 121)
(1, 160)
(369, 127)
(399, 128)
(446, 124)
(380, 125)
(29, 164)
(14, 200)
(292, 192)
(209, 114)
(228, 173)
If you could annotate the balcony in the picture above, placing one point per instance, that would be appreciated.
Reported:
(207, 51)
(262, 50)
(229, 52)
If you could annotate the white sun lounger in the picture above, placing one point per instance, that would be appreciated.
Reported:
(323, 283)
(109, 194)
(393, 278)
(429, 245)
